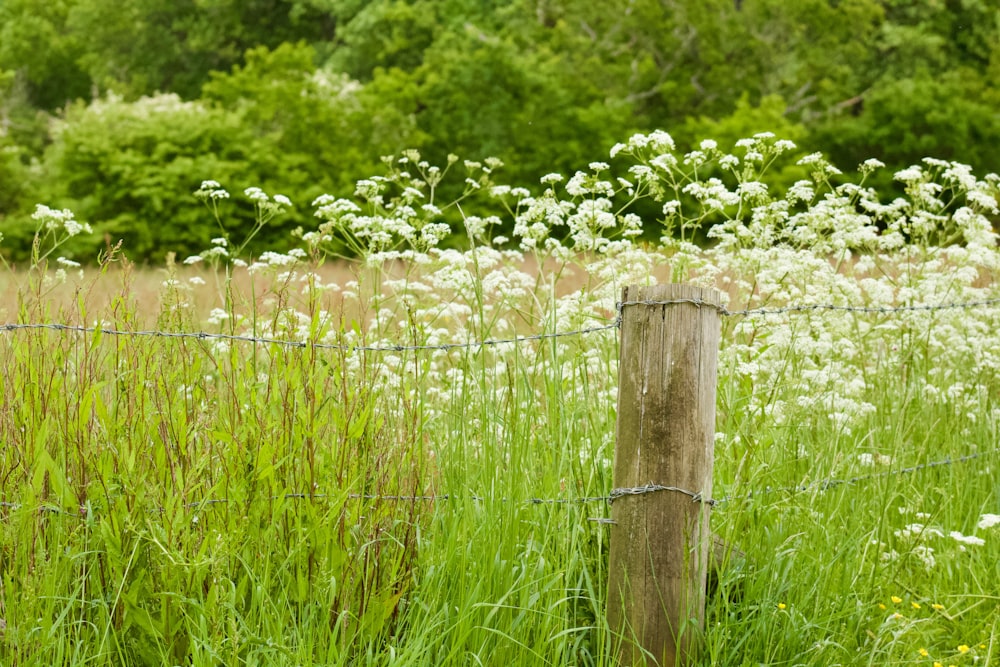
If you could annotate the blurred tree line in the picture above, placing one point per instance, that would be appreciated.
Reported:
(120, 110)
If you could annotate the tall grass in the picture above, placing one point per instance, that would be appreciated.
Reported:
(211, 502)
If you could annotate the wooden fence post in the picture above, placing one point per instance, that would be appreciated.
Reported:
(665, 438)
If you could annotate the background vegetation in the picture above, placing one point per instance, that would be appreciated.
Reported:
(119, 110)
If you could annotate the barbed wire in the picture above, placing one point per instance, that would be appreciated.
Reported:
(827, 484)
(512, 340)
(295, 344)
(819, 486)
(812, 307)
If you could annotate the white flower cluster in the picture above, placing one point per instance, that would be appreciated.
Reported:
(59, 221)
(914, 539)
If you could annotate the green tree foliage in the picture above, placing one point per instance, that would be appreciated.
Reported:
(314, 91)
(37, 47)
(481, 95)
(144, 46)
(130, 168)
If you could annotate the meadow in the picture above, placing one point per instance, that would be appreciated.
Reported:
(339, 472)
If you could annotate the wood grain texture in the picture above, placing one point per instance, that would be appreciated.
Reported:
(659, 550)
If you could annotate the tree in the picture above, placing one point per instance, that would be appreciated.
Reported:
(138, 47)
(37, 47)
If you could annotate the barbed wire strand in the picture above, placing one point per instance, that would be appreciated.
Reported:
(819, 486)
(513, 340)
(780, 310)
(295, 344)
(827, 484)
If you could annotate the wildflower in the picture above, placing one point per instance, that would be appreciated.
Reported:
(963, 648)
(256, 195)
(896, 599)
(967, 539)
(915, 605)
(211, 190)
(782, 605)
(729, 161)
(988, 521)
(937, 607)
(871, 165)
(812, 158)
(923, 652)
(217, 316)
(909, 174)
(68, 263)
(925, 554)
(52, 219)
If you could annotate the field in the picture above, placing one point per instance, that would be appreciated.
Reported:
(339, 473)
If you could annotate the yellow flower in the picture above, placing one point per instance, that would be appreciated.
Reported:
(915, 605)
(963, 649)
(881, 606)
(781, 605)
(938, 664)
(923, 653)
(896, 599)
(937, 606)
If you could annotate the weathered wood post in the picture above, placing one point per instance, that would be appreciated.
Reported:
(664, 442)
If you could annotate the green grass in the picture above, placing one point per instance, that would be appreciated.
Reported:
(114, 551)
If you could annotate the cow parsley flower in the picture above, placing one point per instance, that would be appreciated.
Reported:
(966, 539)
(211, 190)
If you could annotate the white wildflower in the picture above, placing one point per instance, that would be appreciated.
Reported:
(967, 539)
